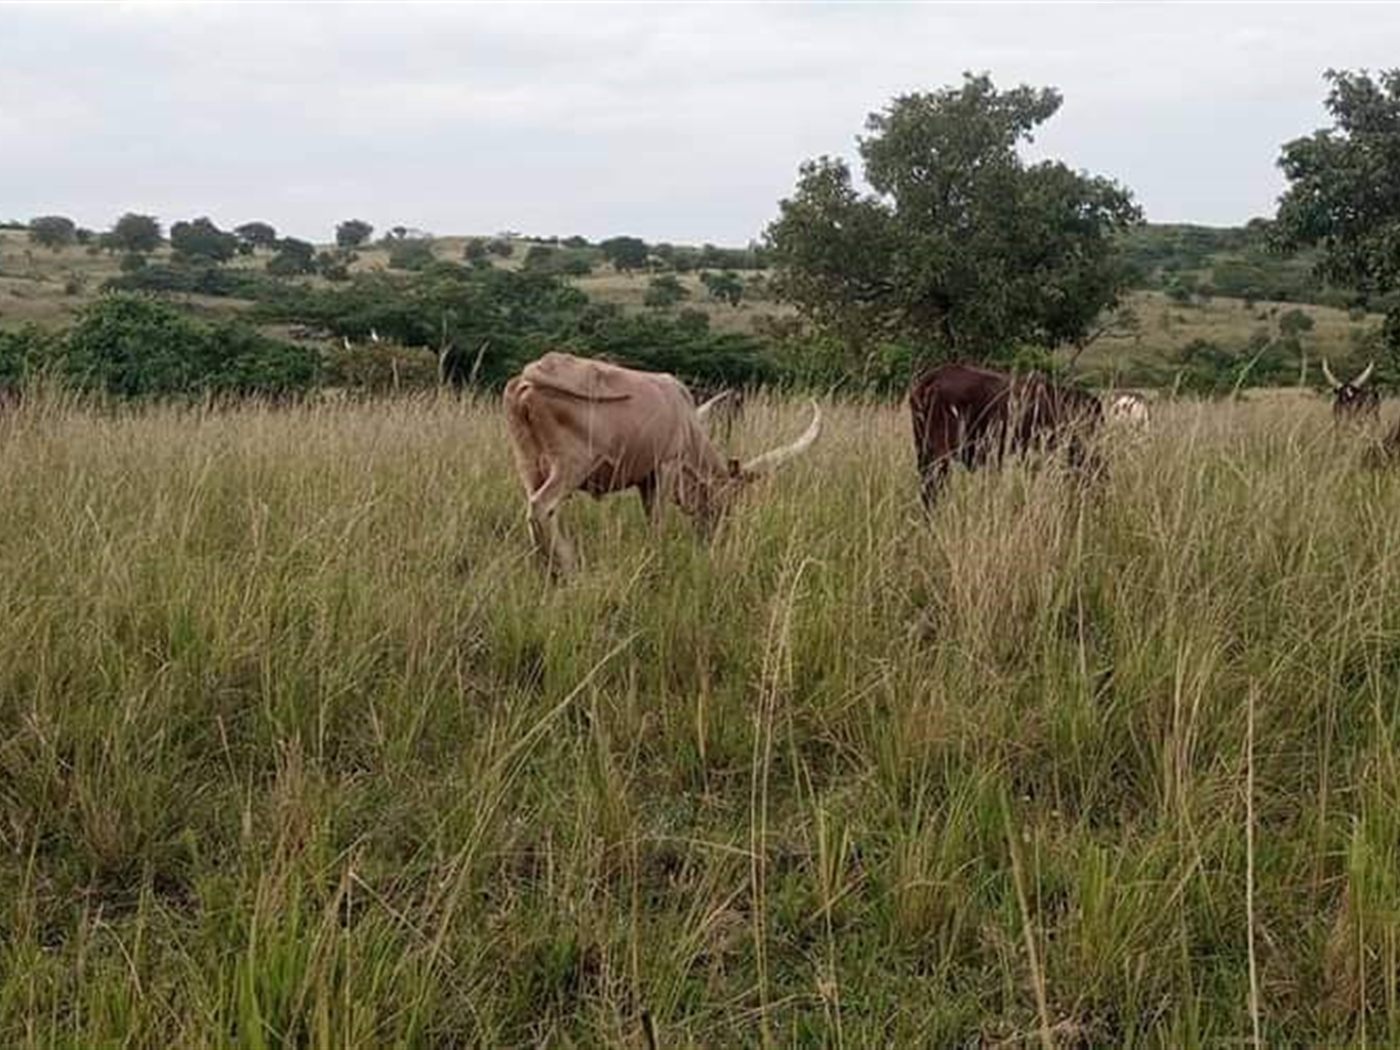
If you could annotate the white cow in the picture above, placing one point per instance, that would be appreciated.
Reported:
(1129, 410)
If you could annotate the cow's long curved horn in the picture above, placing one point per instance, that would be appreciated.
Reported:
(1327, 374)
(769, 460)
(704, 410)
(1364, 377)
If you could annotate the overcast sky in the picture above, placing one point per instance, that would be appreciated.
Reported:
(671, 122)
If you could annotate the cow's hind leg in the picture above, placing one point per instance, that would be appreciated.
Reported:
(938, 446)
(652, 502)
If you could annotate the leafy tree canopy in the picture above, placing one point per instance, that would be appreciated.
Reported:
(963, 248)
(625, 253)
(53, 231)
(134, 234)
(1343, 192)
(201, 239)
(664, 291)
(257, 234)
(293, 257)
(352, 233)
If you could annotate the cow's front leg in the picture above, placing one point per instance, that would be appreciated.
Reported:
(550, 542)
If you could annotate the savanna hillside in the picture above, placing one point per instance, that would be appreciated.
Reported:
(298, 748)
(1212, 310)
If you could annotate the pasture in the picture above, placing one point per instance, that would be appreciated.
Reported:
(297, 747)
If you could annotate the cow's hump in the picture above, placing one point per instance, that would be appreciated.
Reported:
(582, 377)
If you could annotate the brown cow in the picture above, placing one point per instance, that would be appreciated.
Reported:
(976, 414)
(578, 424)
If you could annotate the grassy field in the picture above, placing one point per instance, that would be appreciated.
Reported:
(298, 748)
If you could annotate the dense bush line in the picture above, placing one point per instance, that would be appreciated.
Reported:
(132, 347)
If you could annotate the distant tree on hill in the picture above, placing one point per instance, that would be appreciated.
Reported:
(411, 253)
(475, 249)
(575, 242)
(352, 233)
(625, 253)
(293, 257)
(1295, 322)
(257, 235)
(133, 233)
(963, 248)
(335, 266)
(501, 247)
(539, 257)
(52, 231)
(201, 240)
(727, 287)
(1180, 289)
(664, 291)
(1335, 199)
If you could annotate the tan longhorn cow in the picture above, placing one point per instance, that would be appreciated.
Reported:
(582, 425)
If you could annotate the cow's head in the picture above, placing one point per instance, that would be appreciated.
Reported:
(1350, 397)
(717, 493)
(1129, 411)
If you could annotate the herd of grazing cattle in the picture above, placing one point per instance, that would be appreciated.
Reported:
(578, 424)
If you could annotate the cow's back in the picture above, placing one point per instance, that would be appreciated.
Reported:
(612, 426)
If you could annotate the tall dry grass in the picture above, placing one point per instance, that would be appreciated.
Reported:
(298, 747)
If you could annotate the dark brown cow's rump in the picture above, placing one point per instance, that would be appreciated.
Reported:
(978, 415)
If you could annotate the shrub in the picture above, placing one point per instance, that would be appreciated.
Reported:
(664, 291)
(411, 253)
(134, 347)
(381, 368)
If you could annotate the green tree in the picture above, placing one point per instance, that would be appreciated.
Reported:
(411, 253)
(335, 266)
(257, 235)
(352, 233)
(1295, 322)
(201, 240)
(53, 231)
(625, 253)
(1341, 190)
(963, 248)
(501, 247)
(664, 291)
(727, 287)
(539, 258)
(293, 257)
(1181, 288)
(474, 249)
(134, 234)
